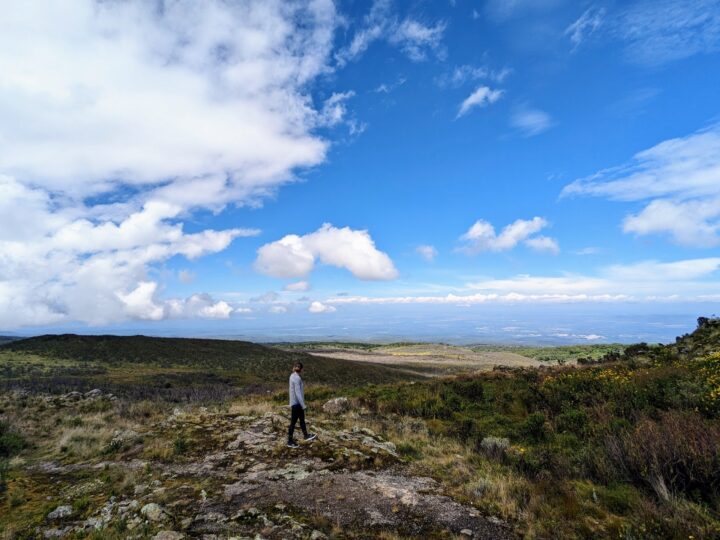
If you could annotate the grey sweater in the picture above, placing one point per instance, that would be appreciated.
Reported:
(296, 392)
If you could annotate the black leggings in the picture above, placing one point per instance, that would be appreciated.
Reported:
(297, 413)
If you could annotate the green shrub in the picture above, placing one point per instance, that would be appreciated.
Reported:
(534, 427)
(11, 442)
(573, 421)
(180, 445)
(408, 450)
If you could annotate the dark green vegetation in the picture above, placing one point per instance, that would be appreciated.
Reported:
(173, 368)
(558, 355)
(628, 448)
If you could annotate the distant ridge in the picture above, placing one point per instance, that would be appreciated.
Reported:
(261, 362)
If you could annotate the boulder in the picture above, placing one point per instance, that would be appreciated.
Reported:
(153, 511)
(60, 512)
(337, 405)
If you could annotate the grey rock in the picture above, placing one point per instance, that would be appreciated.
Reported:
(94, 393)
(56, 533)
(169, 535)
(216, 517)
(337, 405)
(60, 512)
(317, 535)
(466, 532)
(153, 511)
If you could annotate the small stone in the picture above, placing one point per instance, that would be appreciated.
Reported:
(466, 532)
(153, 512)
(94, 393)
(317, 535)
(60, 512)
(169, 535)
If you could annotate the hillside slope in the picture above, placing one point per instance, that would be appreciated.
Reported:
(132, 358)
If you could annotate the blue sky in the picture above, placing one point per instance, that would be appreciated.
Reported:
(485, 170)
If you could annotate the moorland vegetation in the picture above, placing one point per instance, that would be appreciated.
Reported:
(624, 446)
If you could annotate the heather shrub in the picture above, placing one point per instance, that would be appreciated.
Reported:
(675, 454)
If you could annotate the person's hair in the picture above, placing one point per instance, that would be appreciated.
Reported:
(297, 365)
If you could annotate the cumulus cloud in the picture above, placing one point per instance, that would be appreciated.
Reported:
(154, 114)
(482, 236)
(319, 307)
(680, 179)
(481, 97)
(427, 252)
(415, 38)
(530, 121)
(295, 256)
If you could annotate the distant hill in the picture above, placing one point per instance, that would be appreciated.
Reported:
(703, 340)
(240, 359)
(7, 339)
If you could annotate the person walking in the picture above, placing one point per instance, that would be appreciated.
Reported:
(297, 406)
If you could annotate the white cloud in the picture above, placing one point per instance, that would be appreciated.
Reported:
(544, 244)
(482, 236)
(294, 256)
(319, 307)
(646, 281)
(659, 31)
(414, 38)
(278, 309)
(386, 88)
(243, 310)
(466, 73)
(690, 223)
(120, 119)
(481, 97)
(298, 286)
(688, 269)
(590, 250)
(199, 305)
(585, 25)
(531, 122)
(681, 179)
(142, 303)
(334, 109)
(427, 252)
